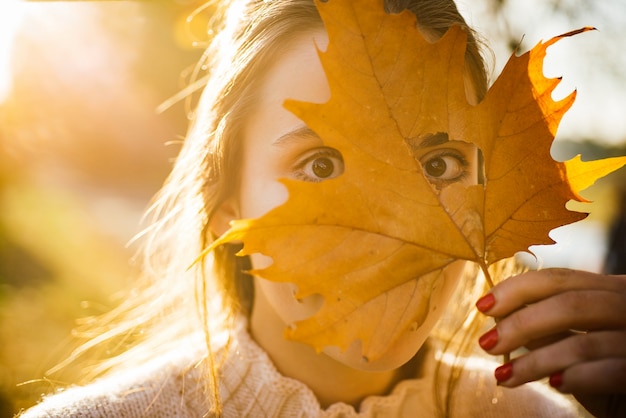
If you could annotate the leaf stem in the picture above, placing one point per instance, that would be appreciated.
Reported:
(485, 270)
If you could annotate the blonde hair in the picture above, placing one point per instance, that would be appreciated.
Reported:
(173, 299)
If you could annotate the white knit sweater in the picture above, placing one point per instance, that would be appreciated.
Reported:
(251, 386)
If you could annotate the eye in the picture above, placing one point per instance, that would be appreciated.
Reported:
(444, 166)
(320, 164)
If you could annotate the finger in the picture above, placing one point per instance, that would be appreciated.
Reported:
(550, 339)
(580, 310)
(597, 377)
(517, 291)
(567, 353)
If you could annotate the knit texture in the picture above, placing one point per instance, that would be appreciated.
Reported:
(251, 386)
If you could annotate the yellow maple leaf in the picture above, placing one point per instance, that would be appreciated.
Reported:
(381, 230)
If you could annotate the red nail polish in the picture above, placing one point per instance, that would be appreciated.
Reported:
(486, 302)
(489, 340)
(556, 379)
(504, 372)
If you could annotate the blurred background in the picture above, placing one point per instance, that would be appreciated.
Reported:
(83, 149)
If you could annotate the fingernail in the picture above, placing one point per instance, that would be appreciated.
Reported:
(504, 372)
(486, 302)
(489, 340)
(556, 379)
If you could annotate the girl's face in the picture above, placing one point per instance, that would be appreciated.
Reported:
(279, 145)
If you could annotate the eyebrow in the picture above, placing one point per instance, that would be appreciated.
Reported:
(428, 140)
(303, 132)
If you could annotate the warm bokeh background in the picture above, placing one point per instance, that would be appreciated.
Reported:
(82, 150)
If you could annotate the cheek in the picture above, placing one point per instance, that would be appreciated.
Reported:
(410, 341)
(261, 197)
(438, 302)
(281, 297)
(259, 190)
(452, 276)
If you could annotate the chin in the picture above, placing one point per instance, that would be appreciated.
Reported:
(398, 354)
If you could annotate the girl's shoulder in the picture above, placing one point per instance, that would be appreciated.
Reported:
(166, 387)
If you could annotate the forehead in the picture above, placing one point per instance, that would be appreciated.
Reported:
(295, 73)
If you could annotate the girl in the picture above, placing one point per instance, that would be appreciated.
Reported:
(208, 340)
